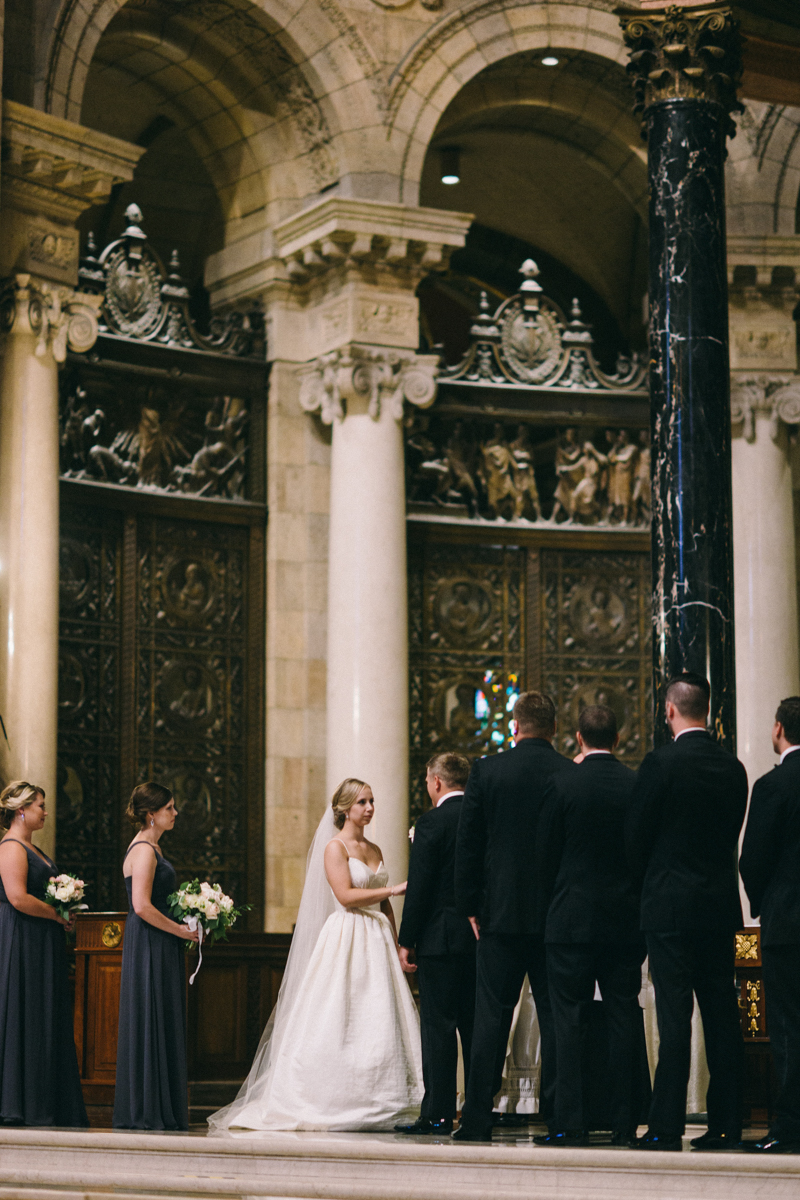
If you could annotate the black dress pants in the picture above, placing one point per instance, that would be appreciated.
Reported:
(503, 964)
(572, 970)
(447, 1004)
(701, 963)
(782, 995)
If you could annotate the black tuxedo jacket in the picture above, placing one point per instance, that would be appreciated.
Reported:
(430, 922)
(770, 862)
(682, 835)
(590, 892)
(496, 848)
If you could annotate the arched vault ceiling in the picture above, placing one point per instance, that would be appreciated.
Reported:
(553, 156)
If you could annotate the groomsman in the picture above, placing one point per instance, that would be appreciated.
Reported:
(592, 930)
(770, 867)
(496, 889)
(442, 943)
(683, 826)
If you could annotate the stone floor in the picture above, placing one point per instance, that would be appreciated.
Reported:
(87, 1164)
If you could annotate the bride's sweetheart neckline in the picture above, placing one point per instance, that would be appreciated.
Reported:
(374, 870)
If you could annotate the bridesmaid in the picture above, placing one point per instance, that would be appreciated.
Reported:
(39, 1079)
(151, 1090)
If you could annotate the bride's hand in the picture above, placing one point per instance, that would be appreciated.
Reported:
(399, 889)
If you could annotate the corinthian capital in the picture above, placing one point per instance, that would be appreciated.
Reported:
(58, 317)
(774, 396)
(684, 52)
(367, 378)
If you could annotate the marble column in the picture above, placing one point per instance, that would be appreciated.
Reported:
(685, 63)
(53, 170)
(362, 390)
(39, 320)
(767, 653)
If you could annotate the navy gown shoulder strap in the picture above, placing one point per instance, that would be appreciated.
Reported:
(150, 844)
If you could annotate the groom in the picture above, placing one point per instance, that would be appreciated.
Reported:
(442, 943)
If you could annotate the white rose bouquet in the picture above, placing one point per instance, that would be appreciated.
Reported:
(204, 907)
(65, 893)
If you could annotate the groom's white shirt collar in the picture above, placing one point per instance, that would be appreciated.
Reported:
(689, 729)
(789, 750)
(447, 795)
(589, 753)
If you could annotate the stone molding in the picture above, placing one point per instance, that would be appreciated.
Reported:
(338, 232)
(774, 395)
(52, 171)
(368, 378)
(58, 317)
(763, 293)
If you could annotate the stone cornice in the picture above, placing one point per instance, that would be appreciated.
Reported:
(64, 165)
(340, 232)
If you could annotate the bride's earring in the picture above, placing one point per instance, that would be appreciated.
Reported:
(152, 822)
(22, 814)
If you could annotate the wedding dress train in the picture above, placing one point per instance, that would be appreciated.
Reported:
(344, 1052)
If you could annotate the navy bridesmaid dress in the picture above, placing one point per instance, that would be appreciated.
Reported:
(152, 1090)
(39, 1078)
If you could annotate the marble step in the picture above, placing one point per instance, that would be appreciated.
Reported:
(83, 1165)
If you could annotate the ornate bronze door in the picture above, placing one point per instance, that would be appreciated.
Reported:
(162, 579)
(488, 621)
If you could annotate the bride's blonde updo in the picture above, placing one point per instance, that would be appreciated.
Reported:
(16, 796)
(344, 798)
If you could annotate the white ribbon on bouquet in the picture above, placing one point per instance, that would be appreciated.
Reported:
(194, 923)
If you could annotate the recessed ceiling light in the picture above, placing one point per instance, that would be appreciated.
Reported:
(450, 165)
(550, 60)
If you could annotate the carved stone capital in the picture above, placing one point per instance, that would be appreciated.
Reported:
(52, 171)
(58, 317)
(774, 396)
(367, 378)
(684, 53)
(341, 237)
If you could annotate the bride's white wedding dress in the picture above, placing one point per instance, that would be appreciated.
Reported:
(342, 1051)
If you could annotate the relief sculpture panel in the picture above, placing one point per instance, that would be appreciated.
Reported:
(87, 781)
(467, 646)
(191, 720)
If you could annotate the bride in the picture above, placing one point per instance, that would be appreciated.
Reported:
(341, 1050)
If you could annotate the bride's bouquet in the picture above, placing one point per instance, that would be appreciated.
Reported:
(204, 907)
(65, 893)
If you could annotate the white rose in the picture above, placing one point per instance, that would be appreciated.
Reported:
(226, 904)
(206, 888)
(411, 834)
(212, 911)
(62, 893)
(183, 900)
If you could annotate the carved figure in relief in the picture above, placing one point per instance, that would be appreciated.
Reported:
(192, 704)
(568, 472)
(527, 493)
(71, 440)
(457, 484)
(497, 475)
(425, 469)
(460, 720)
(641, 483)
(585, 499)
(623, 460)
(193, 594)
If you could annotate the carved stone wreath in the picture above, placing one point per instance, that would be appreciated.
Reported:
(133, 293)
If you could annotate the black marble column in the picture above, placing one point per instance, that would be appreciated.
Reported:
(686, 121)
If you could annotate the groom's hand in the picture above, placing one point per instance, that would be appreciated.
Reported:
(476, 927)
(406, 959)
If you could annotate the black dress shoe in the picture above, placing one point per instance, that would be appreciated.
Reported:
(564, 1137)
(658, 1141)
(621, 1138)
(717, 1141)
(423, 1125)
(772, 1145)
(465, 1134)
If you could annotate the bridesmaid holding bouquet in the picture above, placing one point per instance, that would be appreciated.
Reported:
(39, 1077)
(151, 1091)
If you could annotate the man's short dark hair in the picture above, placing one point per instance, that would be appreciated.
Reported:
(535, 714)
(452, 769)
(789, 716)
(691, 695)
(598, 727)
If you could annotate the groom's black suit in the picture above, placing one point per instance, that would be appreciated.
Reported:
(496, 882)
(444, 946)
